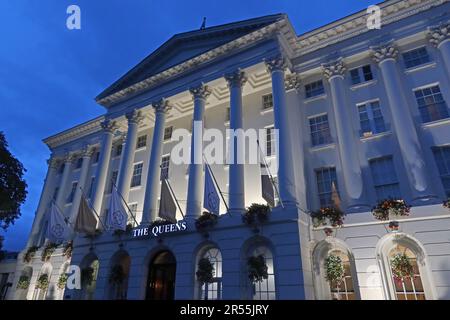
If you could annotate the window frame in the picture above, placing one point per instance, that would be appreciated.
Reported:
(321, 195)
(138, 142)
(378, 187)
(422, 62)
(328, 139)
(371, 118)
(133, 175)
(314, 92)
(434, 104)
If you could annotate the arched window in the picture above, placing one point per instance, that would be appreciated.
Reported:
(212, 290)
(118, 276)
(403, 261)
(265, 289)
(42, 283)
(89, 270)
(24, 283)
(344, 288)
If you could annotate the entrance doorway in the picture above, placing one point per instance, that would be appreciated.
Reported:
(161, 277)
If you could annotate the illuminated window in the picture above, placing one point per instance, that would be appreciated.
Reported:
(265, 290)
(213, 290)
(267, 101)
(343, 290)
(165, 162)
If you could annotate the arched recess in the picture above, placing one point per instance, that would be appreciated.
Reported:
(45, 273)
(119, 271)
(62, 271)
(161, 275)
(27, 273)
(213, 290)
(348, 289)
(418, 287)
(89, 267)
(265, 289)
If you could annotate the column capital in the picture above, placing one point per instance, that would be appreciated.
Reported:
(161, 106)
(69, 157)
(292, 81)
(438, 34)
(87, 151)
(200, 92)
(236, 79)
(384, 51)
(53, 162)
(334, 68)
(109, 126)
(134, 116)
(276, 63)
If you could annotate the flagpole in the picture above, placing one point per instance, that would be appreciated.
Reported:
(95, 212)
(126, 204)
(217, 185)
(173, 195)
(60, 212)
(270, 174)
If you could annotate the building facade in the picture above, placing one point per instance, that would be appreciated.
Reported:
(360, 113)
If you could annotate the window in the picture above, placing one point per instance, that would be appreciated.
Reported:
(432, 105)
(213, 290)
(79, 163)
(314, 89)
(320, 130)
(343, 290)
(385, 178)
(227, 114)
(96, 157)
(91, 188)
(113, 180)
(55, 193)
(118, 150)
(72, 192)
(141, 142)
(361, 74)
(165, 162)
(325, 179)
(133, 208)
(371, 119)
(137, 173)
(267, 101)
(407, 288)
(270, 141)
(168, 133)
(416, 57)
(442, 158)
(265, 290)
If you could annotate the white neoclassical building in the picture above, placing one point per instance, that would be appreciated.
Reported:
(361, 114)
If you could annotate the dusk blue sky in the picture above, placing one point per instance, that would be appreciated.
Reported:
(49, 75)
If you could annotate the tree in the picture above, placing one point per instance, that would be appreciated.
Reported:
(12, 185)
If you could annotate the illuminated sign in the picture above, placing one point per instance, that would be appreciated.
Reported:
(158, 230)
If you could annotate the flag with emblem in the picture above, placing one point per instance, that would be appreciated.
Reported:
(117, 216)
(211, 200)
(57, 229)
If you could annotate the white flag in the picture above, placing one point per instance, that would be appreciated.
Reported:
(117, 215)
(211, 201)
(57, 229)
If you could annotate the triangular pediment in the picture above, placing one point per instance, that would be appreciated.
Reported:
(185, 46)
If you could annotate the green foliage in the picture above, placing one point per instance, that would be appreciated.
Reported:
(206, 221)
(256, 213)
(42, 282)
(12, 185)
(68, 248)
(62, 281)
(205, 271)
(334, 269)
(328, 215)
(30, 254)
(24, 283)
(401, 267)
(48, 251)
(390, 206)
(257, 268)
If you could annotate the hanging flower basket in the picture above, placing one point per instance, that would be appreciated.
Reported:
(257, 269)
(68, 248)
(206, 221)
(446, 203)
(23, 283)
(30, 254)
(87, 276)
(393, 226)
(390, 208)
(256, 214)
(62, 281)
(117, 275)
(401, 267)
(42, 282)
(328, 232)
(48, 251)
(205, 271)
(332, 216)
(334, 269)
(159, 222)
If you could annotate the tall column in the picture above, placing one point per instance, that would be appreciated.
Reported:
(236, 189)
(103, 164)
(44, 201)
(439, 36)
(61, 197)
(385, 55)
(196, 183)
(86, 154)
(126, 165)
(154, 171)
(351, 169)
(286, 177)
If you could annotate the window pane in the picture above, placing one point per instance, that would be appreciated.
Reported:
(432, 105)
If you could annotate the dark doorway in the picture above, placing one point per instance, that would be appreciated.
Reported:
(161, 277)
